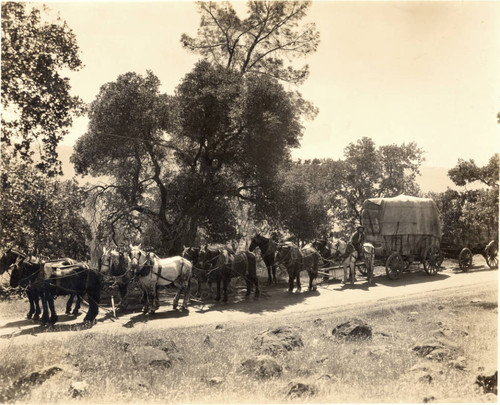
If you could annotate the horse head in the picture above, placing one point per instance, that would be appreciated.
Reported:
(192, 254)
(10, 256)
(255, 242)
(138, 258)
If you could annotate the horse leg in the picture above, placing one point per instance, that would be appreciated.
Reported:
(345, 264)
(187, 295)
(297, 275)
(53, 315)
(178, 295)
(256, 282)
(93, 294)
(69, 303)
(290, 280)
(122, 288)
(45, 315)
(76, 309)
(155, 300)
(30, 294)
(352, 266)
(217, 297)
(274, 273)
(225, 282)
(269, 274)
(36, 300)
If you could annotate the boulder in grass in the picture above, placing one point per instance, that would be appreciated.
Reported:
(298, 390)
(37, 377)
(488, 382)
(262, 367)
(355, 329)
(278, 340)
(151, 356)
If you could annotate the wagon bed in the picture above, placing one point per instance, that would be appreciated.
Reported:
(403, 229)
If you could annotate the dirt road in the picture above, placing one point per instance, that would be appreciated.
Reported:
(274, 302)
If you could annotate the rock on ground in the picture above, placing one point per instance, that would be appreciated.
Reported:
(488, 382)
(299, 389)
(151, 356)
(353, 329)
(262, 367)
(278, 340)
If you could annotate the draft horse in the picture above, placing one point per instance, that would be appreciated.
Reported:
(199, 273)
(76, 279)
(28, 273)
(289, 255)
(348, 256)
(268, 249)
(116, 264)
(153, 272)
(222, 265)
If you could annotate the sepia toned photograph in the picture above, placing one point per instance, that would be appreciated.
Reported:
(249, 202)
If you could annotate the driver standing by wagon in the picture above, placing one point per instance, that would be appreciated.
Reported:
(357, 240)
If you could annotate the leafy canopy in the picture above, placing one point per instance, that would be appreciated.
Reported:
(36, 99)
(265, 42)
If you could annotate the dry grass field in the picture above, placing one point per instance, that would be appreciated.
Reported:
(204, 364)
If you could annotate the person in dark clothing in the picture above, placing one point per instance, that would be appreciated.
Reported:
(357, 239)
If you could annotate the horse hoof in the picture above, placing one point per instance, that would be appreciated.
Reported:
(36, 317)
(76, 313)
(28, 316)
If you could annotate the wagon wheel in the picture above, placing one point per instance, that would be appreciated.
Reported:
(465, 259)
(394, 266)
(491, 257)
(362, 268)
(432, 259)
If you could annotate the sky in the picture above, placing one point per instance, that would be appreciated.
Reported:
(398, 72)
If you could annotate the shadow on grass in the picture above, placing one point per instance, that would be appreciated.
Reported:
(37, 329)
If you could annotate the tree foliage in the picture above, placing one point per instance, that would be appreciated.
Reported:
(41, 214)
(182, 160)
(466, 172)
(265, 42)
(470, 217)
(36, 99)
(369, 172)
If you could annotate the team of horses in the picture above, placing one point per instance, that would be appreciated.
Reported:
(45, 279)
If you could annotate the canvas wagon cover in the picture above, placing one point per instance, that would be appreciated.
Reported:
(401, 215)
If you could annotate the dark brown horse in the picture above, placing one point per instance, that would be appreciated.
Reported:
(311, 260)
(290, 256)
(268, 248)
(222, 264)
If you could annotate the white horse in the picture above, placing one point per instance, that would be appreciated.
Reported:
(116, 264)
(153, 271)
(349, 257)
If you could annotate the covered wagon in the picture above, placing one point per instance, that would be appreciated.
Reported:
(403, 230)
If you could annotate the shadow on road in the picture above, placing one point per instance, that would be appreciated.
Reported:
(160, 315)
(410, 278)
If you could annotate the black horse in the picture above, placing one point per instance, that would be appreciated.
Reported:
(27, 272)
(222, 264)
(268, 248)
(193, 255)
(73, 279)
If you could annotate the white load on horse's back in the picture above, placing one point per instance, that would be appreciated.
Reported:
(51, 266)
(153, 271)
